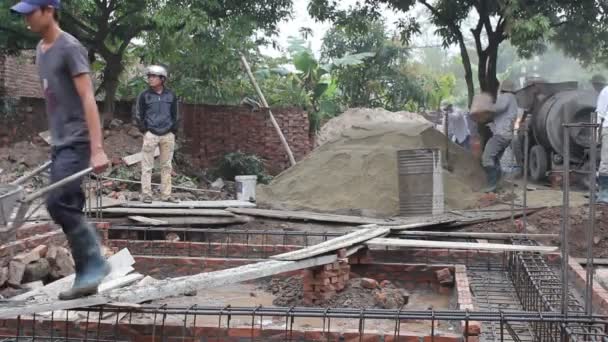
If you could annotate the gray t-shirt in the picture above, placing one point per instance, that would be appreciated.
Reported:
(57, 67)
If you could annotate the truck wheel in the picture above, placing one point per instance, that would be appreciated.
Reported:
(539, 163)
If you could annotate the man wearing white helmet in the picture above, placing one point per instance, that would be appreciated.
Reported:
(599, 84)
(156, 113)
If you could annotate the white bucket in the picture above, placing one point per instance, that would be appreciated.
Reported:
(245, 187)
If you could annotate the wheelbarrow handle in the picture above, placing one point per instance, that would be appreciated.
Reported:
(35, 172)
(44, 191)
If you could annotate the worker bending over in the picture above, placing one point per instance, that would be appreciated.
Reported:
(505, 113)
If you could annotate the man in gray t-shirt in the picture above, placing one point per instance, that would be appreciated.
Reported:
(76, 137)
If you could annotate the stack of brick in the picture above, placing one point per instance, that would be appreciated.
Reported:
(323, 282)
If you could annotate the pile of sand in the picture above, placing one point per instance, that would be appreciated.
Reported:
(356, 117)
(357, 172)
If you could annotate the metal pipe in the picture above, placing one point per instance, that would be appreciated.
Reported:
(526, 161)
(565, 219)
(591, 228)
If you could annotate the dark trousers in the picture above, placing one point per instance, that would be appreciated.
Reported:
(66, 203)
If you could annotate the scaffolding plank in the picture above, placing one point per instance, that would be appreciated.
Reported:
(173, 287)
(195, 220)
(308, 216)
(167, 212)
(14, 309)
(168, 287)
(476, 235)
(335, 244)
(148, 221)
(459, 245)
(192, 204)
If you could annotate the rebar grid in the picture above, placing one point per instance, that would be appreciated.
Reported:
(121, 324)
(540, 289)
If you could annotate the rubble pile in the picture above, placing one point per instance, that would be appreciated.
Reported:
(41, 265)
(357, 293)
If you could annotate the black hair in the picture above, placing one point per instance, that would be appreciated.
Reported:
(55, 12)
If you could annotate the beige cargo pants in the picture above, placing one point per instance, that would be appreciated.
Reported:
(166, 145)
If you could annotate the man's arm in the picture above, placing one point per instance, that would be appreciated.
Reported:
(175, 114)
(140, 112)
(502, 103)
(602, 104)
(84, 87)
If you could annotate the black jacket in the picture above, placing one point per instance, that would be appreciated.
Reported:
(157, 113)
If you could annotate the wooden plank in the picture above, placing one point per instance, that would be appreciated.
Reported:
(148, 221)
(475, 235)
(14, 309)
(120, 282)
(191, 221)
(596, 261)
(166, 212)
(458, 245)
(46, 136)
(171, 287)
(307, 216)
(168, 287)
(335, 244)
(191, 204)
(136, 158)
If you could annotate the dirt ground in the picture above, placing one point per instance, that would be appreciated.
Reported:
(549, 221)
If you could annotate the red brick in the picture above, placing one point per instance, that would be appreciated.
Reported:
(443, 338)
(355, 337)
(408, 338)
(243, 332)
(474, 328)
(369, 283)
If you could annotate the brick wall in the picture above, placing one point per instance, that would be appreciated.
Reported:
(19, 76)
(213, 131)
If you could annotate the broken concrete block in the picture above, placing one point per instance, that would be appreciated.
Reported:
(3, 275)
(15, 273)
(31, 256)
(406, 296)
(474, 328)
(218, 184)
(368, 283)
(444, 276)
(33, 285)
(134, 132)
(37, 270)
(62, 264)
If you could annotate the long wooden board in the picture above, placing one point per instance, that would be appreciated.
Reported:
(380, 242)
(166, 212)
(167, 288)
(191, 204)
(335, 244)
(136, 158)
(191, 221)
(307, 216)
(475, 235)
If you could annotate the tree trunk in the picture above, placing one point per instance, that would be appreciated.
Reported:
(468, 70)
(111, 74)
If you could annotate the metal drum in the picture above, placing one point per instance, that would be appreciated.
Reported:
(420, 182)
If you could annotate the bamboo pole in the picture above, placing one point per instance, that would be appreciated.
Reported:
(265, 104)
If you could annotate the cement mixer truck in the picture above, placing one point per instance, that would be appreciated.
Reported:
(548, 106)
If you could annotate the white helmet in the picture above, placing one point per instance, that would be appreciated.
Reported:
(156, 70)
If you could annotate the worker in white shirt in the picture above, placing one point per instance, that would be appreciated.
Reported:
(458, 127)
(599, 83)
